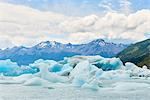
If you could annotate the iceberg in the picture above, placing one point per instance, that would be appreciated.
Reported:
(137, 71)
(79, 71)
(85, 75)
(9, 68)
(49, 76)
(115, 74)
(109, 64)
(94, 84)
(66, 69)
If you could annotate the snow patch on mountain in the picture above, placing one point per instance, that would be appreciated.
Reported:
(57, 51)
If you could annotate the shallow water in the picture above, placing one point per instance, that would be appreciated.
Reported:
(108, 91)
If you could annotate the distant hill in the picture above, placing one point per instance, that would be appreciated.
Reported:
(57, 51)
(138, 53)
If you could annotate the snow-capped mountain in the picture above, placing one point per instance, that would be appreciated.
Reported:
(57, 51)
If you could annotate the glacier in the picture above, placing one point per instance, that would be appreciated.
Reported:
(76, 71)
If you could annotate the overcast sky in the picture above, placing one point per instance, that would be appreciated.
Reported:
(28, 22)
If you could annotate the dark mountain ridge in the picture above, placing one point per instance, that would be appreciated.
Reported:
(138, 53)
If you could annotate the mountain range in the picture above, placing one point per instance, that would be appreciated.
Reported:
(57, 51)
(138, 53)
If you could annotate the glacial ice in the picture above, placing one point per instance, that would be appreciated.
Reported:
(9, 68)
(65, 70)
(109, 64)
(6, 66)
(45, 74)
(94, 84)
(115, 74)
(137, 71)
(78, 71)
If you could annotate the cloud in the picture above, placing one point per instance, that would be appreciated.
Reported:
(125, 6)
(21, 25)
(107, 6)
(111, 26)
(5, 41)
(120, 6)
(79, 24)
(84, 37)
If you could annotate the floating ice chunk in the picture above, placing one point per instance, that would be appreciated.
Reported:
(98, 73)
(109, 64)
(65, 61)
(73, 61)
(115, 74)
(145, 67)
(47, 62)
(130, 66)
(52, 65)
(93, 69)
(27, 70)
(66, 69)
(144, 72)
(52, 77)
(78, 81)
(84, 75)
(83, 72)
(93, 59)
(77, 59)
(66, 66)
(137, 71)
(55, 68)
(7, 67)
(133, 68)
(80, 73)
(81, 69)
(94, 84)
